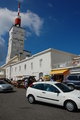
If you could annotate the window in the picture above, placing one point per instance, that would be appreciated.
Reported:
(25, 67)
(63, 87)
(14, 33)
(40, 74)
(19, 68)
(40, 62)
(53, 89)
(37, 86)
(31, 66)
(50, 88)
(46, 87)
(74, 77)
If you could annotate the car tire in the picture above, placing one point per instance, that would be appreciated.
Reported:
(31, 99)
(70, 106)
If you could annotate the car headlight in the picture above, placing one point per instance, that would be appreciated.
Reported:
(79, 97)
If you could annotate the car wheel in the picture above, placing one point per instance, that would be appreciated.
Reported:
(70, 106)
(31, 99)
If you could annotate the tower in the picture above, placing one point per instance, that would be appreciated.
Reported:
(16, 38)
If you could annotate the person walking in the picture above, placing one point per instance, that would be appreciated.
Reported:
(52, 78)
(40, 80)
(26, 83)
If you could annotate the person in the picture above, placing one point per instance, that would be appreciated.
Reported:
(40, 80)
(30, 80)
(26, 83)
(52, 78)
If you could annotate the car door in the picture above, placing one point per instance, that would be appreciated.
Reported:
(51, 94)
(36, 90)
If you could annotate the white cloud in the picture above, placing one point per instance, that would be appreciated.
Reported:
(28, 33)
(2, 41)
(29, 19)
(33, 21)
(20, 0)
(50, 5)
(6, 20)
(2, 49)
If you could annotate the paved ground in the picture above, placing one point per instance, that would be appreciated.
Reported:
(15, 106)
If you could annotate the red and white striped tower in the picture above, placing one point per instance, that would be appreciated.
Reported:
(18, 17)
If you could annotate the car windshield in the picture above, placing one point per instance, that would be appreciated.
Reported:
(63, 87)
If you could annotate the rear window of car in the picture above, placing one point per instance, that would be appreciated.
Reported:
(37, 86)
(73, 77)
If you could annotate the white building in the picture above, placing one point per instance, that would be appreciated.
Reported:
(39, 64)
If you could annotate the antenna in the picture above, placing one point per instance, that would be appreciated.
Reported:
(18, 9)
(18, 17)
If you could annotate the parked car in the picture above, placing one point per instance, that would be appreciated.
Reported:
(7, 80)
(4, 86)
(54, 93)
(73, 81)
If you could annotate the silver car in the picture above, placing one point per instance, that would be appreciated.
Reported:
(5, 87)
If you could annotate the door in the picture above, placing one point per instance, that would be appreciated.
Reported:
(51, 94)
(40, 74)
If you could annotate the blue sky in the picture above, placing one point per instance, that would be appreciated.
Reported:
(48, 24)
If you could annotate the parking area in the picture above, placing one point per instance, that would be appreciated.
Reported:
(15, 106)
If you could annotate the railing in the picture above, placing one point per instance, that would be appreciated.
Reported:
(66, 64)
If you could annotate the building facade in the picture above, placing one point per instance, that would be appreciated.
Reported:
(39, 64)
